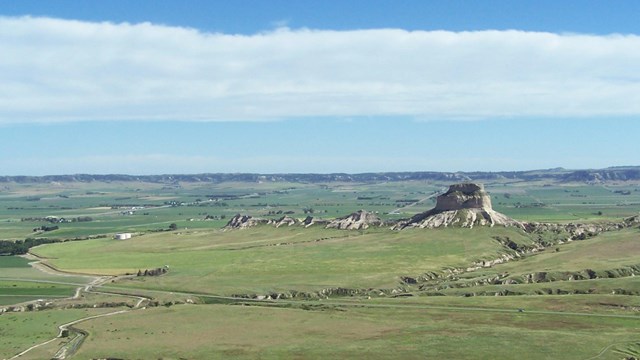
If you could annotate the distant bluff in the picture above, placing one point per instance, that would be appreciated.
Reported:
(464, 205)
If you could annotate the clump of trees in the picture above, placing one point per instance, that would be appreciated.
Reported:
(46, 228)
(21, 247)
(54, 220)
(153, 272)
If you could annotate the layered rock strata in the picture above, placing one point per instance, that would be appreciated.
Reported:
(464, 205)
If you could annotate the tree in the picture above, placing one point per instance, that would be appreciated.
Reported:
(173, 226)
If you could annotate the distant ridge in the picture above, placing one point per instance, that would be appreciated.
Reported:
(557, 175)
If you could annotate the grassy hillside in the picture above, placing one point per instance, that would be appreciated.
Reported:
(266, 259)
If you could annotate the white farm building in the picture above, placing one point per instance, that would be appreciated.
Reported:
(122, 236)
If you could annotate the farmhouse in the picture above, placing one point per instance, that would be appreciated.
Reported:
(122, 236)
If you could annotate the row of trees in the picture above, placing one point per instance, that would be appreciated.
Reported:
(153, 272)
(53, 219)
(21, 247)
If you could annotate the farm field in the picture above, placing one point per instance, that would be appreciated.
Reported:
(19, 282)
(312, 292)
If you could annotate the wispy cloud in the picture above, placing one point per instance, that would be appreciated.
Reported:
(62, 70)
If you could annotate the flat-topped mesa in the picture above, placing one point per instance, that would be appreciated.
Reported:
(464, 205)
(463, 196)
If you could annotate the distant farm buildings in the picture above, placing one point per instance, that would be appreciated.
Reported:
(122, 236)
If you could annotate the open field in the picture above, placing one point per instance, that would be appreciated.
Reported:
(12, 290)
(347, 331)
(248, 261)
(340, 293)
(20, 283)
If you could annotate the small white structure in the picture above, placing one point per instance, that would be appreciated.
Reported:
(122, 236)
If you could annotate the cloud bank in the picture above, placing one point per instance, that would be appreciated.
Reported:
(63, 70)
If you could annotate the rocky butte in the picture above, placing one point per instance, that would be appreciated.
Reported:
(464, 205)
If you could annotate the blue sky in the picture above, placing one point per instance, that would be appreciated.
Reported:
(147, 87)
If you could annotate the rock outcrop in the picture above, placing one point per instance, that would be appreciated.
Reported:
(632, 221)
(358, 220)
(243, 221)
(310, 220)
(285, 220)
(464, 205)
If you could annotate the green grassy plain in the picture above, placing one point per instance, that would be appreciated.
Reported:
(568, 319)
(266, 259)
(13, 262)
(10, 290)
(336, 331)
(19, 282)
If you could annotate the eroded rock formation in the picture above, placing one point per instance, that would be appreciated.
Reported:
(284, 221)
(310, 220)
(243, 221)
(358, 220)
(464, 205)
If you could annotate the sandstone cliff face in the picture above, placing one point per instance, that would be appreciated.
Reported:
(359, 220)
(464, 205)
(463, 196)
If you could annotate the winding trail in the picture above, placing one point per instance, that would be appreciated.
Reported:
(69, 348)
(62, 329)
(74, 343)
